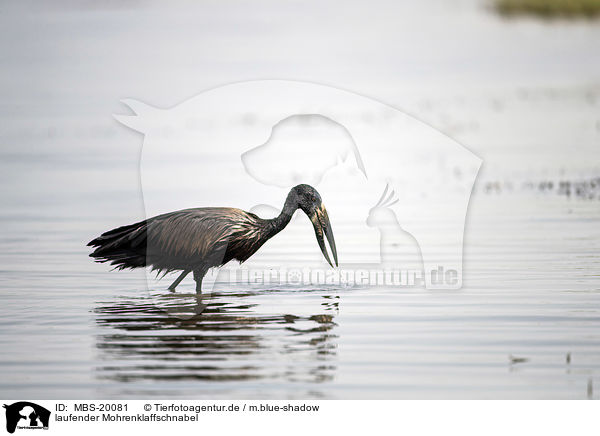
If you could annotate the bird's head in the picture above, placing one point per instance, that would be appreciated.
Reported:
(308, 199)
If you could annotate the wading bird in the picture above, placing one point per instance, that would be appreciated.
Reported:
(202, 238)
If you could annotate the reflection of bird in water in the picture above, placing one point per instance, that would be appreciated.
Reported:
(199, 239)
(230, 341)
(398, 248)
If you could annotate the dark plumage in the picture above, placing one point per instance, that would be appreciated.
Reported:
(201, 238)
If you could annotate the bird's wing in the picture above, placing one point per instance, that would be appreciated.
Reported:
(194, 234)
(186, 239)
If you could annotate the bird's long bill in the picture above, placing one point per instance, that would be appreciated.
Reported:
(321, 223)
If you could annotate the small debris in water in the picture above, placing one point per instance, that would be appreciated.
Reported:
(590, 388)
(515, 359)
(583, 189)
(568, 358)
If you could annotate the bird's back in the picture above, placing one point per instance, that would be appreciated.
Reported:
(189, 238)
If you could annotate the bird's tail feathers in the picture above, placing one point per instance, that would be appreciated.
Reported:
(123, 247)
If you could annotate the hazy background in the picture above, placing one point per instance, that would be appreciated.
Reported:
(523, 93)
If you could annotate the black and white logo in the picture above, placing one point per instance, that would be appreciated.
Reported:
(26, 415)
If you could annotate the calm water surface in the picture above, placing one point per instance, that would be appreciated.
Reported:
(72, 329)
(523, 95)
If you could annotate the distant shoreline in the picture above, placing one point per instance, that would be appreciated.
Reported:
(550, 8)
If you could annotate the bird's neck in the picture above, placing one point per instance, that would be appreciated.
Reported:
(280, 222)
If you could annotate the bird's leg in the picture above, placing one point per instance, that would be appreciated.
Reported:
(198, 276)
(179, 279)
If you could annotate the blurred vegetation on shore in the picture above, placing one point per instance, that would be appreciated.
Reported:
(550, 8)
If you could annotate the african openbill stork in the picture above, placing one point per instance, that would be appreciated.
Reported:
(202, 238)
